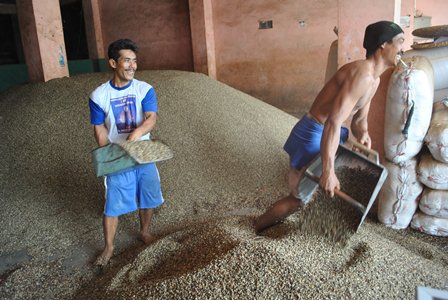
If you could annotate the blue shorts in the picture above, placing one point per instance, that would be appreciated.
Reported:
(303, 143)
(131, 190)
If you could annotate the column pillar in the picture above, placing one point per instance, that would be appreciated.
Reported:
(203, 36)
(94, 32)
(42, 39)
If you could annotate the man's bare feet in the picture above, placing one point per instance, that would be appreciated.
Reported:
(147, 238)
(104, 258)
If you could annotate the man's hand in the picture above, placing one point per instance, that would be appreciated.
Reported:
(144, 128)
(329, 182)
(134, 136)
(365, 140)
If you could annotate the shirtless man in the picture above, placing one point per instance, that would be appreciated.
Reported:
(347, 95)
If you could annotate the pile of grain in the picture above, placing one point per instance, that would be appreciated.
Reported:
(228, 167)
(333, 218)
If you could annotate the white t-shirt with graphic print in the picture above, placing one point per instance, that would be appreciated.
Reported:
(122, 109)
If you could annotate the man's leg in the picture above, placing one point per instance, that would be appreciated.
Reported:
(110, 225)
(145, 221)
(283, 207)
(277, 212)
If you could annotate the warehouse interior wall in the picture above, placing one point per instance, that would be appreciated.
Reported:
(276, 51)
(161, 29)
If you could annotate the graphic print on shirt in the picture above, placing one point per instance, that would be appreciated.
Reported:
(125, 113)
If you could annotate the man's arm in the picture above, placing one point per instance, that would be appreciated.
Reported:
(350, 92)
(359, 126)
(145, 127)
(101, 134)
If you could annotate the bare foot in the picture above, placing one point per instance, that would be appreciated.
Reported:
(104, 258)
(147, 238)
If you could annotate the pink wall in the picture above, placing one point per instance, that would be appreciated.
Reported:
(94, 33)
(285, 65)
(407, 9)
(354, 16)
(198, 35)
(437, 9)
(160, 28)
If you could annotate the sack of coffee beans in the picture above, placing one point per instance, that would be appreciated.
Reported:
(430, 224)
(398, 198)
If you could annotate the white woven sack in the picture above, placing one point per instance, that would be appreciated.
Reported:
(440, 68)
(434, 203)
(430, 225)
(399, 196)
(436, 138)
(408, 109)
(430, 53)
(439, 61)
(432, 173)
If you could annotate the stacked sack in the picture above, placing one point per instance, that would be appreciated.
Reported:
(438, 56)
(432, 217)
(433, 173)
(407, 119)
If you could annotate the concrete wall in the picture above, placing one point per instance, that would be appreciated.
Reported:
(407, 9)
(437, 9)
(354, 16)
(42, 39)
(284, 66)
(160, 28)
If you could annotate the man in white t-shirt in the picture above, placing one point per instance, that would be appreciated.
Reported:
(122, 109)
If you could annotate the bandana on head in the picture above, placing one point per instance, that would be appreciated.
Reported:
(378, 33)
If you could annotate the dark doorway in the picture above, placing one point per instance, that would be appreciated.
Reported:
(10, 47)
(74, 30)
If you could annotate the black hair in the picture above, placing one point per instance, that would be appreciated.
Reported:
(113, 51)
(370, 52)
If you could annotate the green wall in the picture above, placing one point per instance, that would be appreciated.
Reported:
(18, 74)
(11, 75)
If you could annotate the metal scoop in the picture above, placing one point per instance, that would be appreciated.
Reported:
(346, 156)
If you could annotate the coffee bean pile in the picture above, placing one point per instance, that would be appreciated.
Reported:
(228, 167)
(334, 218)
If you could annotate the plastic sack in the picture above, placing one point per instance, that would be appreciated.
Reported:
(399, 196)
(439, 62)
(436, 138)
(434, 203)
(432, 173)
(430, 225)
(408, 109)
(115, 158)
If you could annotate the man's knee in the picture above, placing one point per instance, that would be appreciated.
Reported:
(288, 205)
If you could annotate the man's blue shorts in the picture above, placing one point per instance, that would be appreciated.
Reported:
(130, 190)
(303, 144)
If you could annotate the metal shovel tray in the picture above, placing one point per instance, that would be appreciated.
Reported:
(365, 159)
